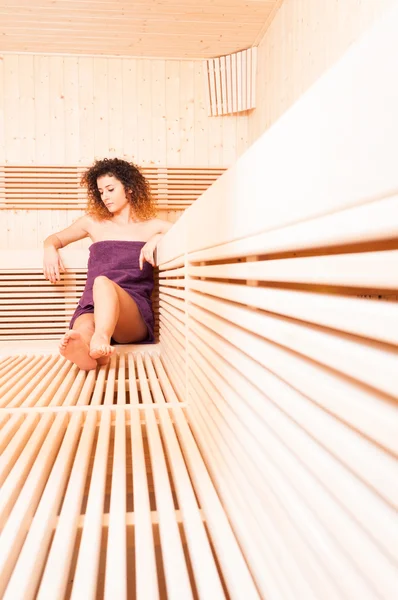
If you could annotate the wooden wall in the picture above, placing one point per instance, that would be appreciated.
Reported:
(305, 38)
(288, 398)
(69, 109)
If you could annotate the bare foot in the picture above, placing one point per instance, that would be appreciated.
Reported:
(75, 349)
(100, 346)
(103, 360)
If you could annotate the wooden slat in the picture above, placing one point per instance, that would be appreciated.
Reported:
(212, 86)
(244, 79)
(14, 532)
(177, 578)
(223, 85)
(229, 83)
(233, 565)
(54, 580)
(217, 75)
(147, 580)
(369, 318)
(29, 186)
(375, 270)
(86, 573)
(234, 83)
(367, 223)
(207, 578)
(344, 353)
(116, 564)
(253, 77)
(26, 574)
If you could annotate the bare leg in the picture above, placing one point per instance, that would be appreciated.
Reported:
(116, 314)
(74, 345)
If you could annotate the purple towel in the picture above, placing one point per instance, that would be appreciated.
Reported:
(119, 260)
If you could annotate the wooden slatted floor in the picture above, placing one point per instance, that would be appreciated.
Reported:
(104, 492)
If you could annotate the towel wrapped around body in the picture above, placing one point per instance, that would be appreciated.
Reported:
(119, 261)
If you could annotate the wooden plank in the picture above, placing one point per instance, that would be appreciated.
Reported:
(57, 110)
(54, 581)
(373, 319)
(212, 84)
(234, 568)
(187, 120)
(224, 90)
(114, 113)
(17, 383)
(217, 76)
(144, 125)
(14, 532)
(249, 58)
(177, 579)
(12, 130)
(130, 109)
(253, 77)
(159, 112)
(86, 572)
(366, 223)
(340, 352)
(27, 108)
(101, 90)
(207, 577)
(86, 113)
(116, 557)
(244, 67)
(260, 436)
(71, 109)
(26, 575)
(146, 572)
(45, 374)
(375, 270)
(21, 454)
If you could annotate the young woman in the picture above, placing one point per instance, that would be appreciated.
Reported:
(116, 302)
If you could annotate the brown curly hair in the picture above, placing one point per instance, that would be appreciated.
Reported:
(135, 185)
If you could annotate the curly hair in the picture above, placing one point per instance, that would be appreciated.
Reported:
(134, 183)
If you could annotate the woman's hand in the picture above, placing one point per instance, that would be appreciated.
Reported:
(52, 264)
(147, 251)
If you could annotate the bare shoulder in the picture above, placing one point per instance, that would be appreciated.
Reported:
(84, 221)
(78, 230)
(160, 225)
(89, 222)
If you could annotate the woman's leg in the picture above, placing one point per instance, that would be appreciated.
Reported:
(75, 344)
(115, 314)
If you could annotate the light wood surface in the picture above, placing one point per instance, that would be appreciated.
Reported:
(154, 28)
(253, 452)
(291, 384)
(58, 187)
(301, 42)
(223, 85)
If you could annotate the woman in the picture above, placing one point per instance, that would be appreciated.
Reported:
(116, 302)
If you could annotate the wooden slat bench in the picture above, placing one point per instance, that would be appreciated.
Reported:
(58, 187)
(32, 308)
(252, 452)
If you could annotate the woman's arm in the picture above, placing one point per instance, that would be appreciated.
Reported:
(77, 231)
(147, 252)
(52, 263)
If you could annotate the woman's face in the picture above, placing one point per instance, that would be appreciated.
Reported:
(112, 193)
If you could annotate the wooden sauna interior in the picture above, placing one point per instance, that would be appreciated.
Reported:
(251, 452)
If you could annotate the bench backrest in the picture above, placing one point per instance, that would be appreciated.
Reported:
(32, 308)
(279, 328)
(58, 187)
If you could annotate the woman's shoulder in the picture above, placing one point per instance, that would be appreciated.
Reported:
(91, 220)
(160, 225)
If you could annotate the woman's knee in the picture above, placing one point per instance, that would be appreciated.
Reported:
(102, 280)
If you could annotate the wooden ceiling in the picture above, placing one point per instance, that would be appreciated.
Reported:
(153, 28)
